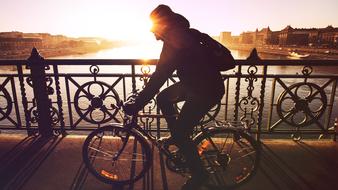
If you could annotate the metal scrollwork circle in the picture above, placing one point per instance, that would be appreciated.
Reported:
(307, 70)
(252, 70)
(94, 69)
(301, 104)
(6, 104)
(95, 102)
(145, 69)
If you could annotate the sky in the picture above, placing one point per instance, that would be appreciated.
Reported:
(129, 19)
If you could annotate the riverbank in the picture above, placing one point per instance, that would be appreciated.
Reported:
(312, 52)
(52, 52)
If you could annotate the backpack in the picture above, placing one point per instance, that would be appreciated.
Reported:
(219, 55)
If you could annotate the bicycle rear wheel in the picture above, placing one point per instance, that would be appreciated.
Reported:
(115, 155)
(230, 156)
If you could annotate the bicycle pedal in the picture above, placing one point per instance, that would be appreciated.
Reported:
(166, 141)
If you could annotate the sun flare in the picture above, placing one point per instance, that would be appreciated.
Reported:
(130, 28)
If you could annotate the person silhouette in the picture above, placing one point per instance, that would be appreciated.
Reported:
(201, 86)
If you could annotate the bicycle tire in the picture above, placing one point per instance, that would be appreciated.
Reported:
(130, 166)
(233, 164)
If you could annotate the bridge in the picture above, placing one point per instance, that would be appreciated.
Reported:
(286, 103)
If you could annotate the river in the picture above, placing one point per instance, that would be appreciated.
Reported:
(151, 51)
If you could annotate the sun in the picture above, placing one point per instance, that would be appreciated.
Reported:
(130, 28)
(116, 24)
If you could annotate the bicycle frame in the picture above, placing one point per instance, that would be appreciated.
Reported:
(130, 123)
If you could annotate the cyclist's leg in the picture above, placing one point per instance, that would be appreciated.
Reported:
(191, 113)
(166, 100)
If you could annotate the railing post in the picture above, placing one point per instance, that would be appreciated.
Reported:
(335, 128)
(237, 91)
(133, 78)
(43, 103)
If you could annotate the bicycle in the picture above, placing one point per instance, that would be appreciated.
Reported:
(120, 154)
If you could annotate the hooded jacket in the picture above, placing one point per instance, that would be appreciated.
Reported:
(183, 54)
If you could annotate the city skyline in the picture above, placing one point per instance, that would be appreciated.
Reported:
(130, 19)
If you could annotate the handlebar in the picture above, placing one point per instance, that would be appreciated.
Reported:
(120, 105)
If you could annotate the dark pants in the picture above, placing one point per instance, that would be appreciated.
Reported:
(194, 108)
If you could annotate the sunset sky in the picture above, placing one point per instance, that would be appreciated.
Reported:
(129, 19)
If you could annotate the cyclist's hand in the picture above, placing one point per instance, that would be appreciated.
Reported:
(130, 108)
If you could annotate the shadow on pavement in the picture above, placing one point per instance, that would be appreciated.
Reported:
(24, 159)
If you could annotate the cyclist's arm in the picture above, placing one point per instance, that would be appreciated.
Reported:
(164, 69)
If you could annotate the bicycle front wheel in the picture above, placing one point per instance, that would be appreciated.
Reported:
(115, 155)
(230, 156)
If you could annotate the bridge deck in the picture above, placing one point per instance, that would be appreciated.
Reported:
(29, 163)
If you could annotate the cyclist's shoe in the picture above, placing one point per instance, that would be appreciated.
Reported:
(167, 141)
(195, 183)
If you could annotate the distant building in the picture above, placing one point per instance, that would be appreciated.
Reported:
(319, 37)
(274, 39)
(246, 38)
(314, 37)
(329, 37)
(284, 35)
(263, 36)
(309, 37)
(19, 43)
(225, 38)
(11, 34)
(235, 39)
(18, 40)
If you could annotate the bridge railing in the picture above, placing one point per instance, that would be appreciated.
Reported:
(277, 98)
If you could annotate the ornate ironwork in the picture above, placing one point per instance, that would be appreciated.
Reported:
(307, 70)
(151, 106)
(24, 99)
(95, 101)
(301, 104)
(29, 81)
(145, 70)
(94, 69)
(59, 101)
(237, 91)
(34, 115)
(96, 105)
(261, 107)
(50, 89)
(6, 103)
(306, 106)
(249, 104)
(149, 109)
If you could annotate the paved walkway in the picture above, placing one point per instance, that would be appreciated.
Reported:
(29, 163)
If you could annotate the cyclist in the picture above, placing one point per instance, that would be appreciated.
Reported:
(201, 86)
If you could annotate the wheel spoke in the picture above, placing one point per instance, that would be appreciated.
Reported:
(111, 156)
(101, 151)
(233, 161)
(243, 156)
